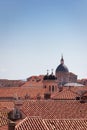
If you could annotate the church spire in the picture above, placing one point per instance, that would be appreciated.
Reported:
(62, 60)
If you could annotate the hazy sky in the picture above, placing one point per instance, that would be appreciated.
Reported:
(34, 34)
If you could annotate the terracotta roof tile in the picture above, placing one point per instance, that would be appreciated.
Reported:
(36, 123)
(21, 92)
(65, 94)
(6, 105)
(66, 124)
(31, 123)
(52, 109)
(68, 93)
(34, 81)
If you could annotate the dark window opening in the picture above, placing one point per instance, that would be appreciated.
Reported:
(52, 88)
(49, 88)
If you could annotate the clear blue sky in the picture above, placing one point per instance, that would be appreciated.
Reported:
(34, 34)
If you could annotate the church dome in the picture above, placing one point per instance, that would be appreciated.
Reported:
(62, 67)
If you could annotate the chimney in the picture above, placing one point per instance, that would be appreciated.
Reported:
(11, 125)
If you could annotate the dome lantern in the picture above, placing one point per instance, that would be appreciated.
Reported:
(62, 67)
(62, 60)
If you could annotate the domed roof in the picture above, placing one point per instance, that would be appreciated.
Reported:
(62, 67)
(49, 77)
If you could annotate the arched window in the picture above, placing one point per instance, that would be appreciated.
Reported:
(52, 88)
(49, 88)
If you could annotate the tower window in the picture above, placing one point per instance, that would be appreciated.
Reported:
(52, 88)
